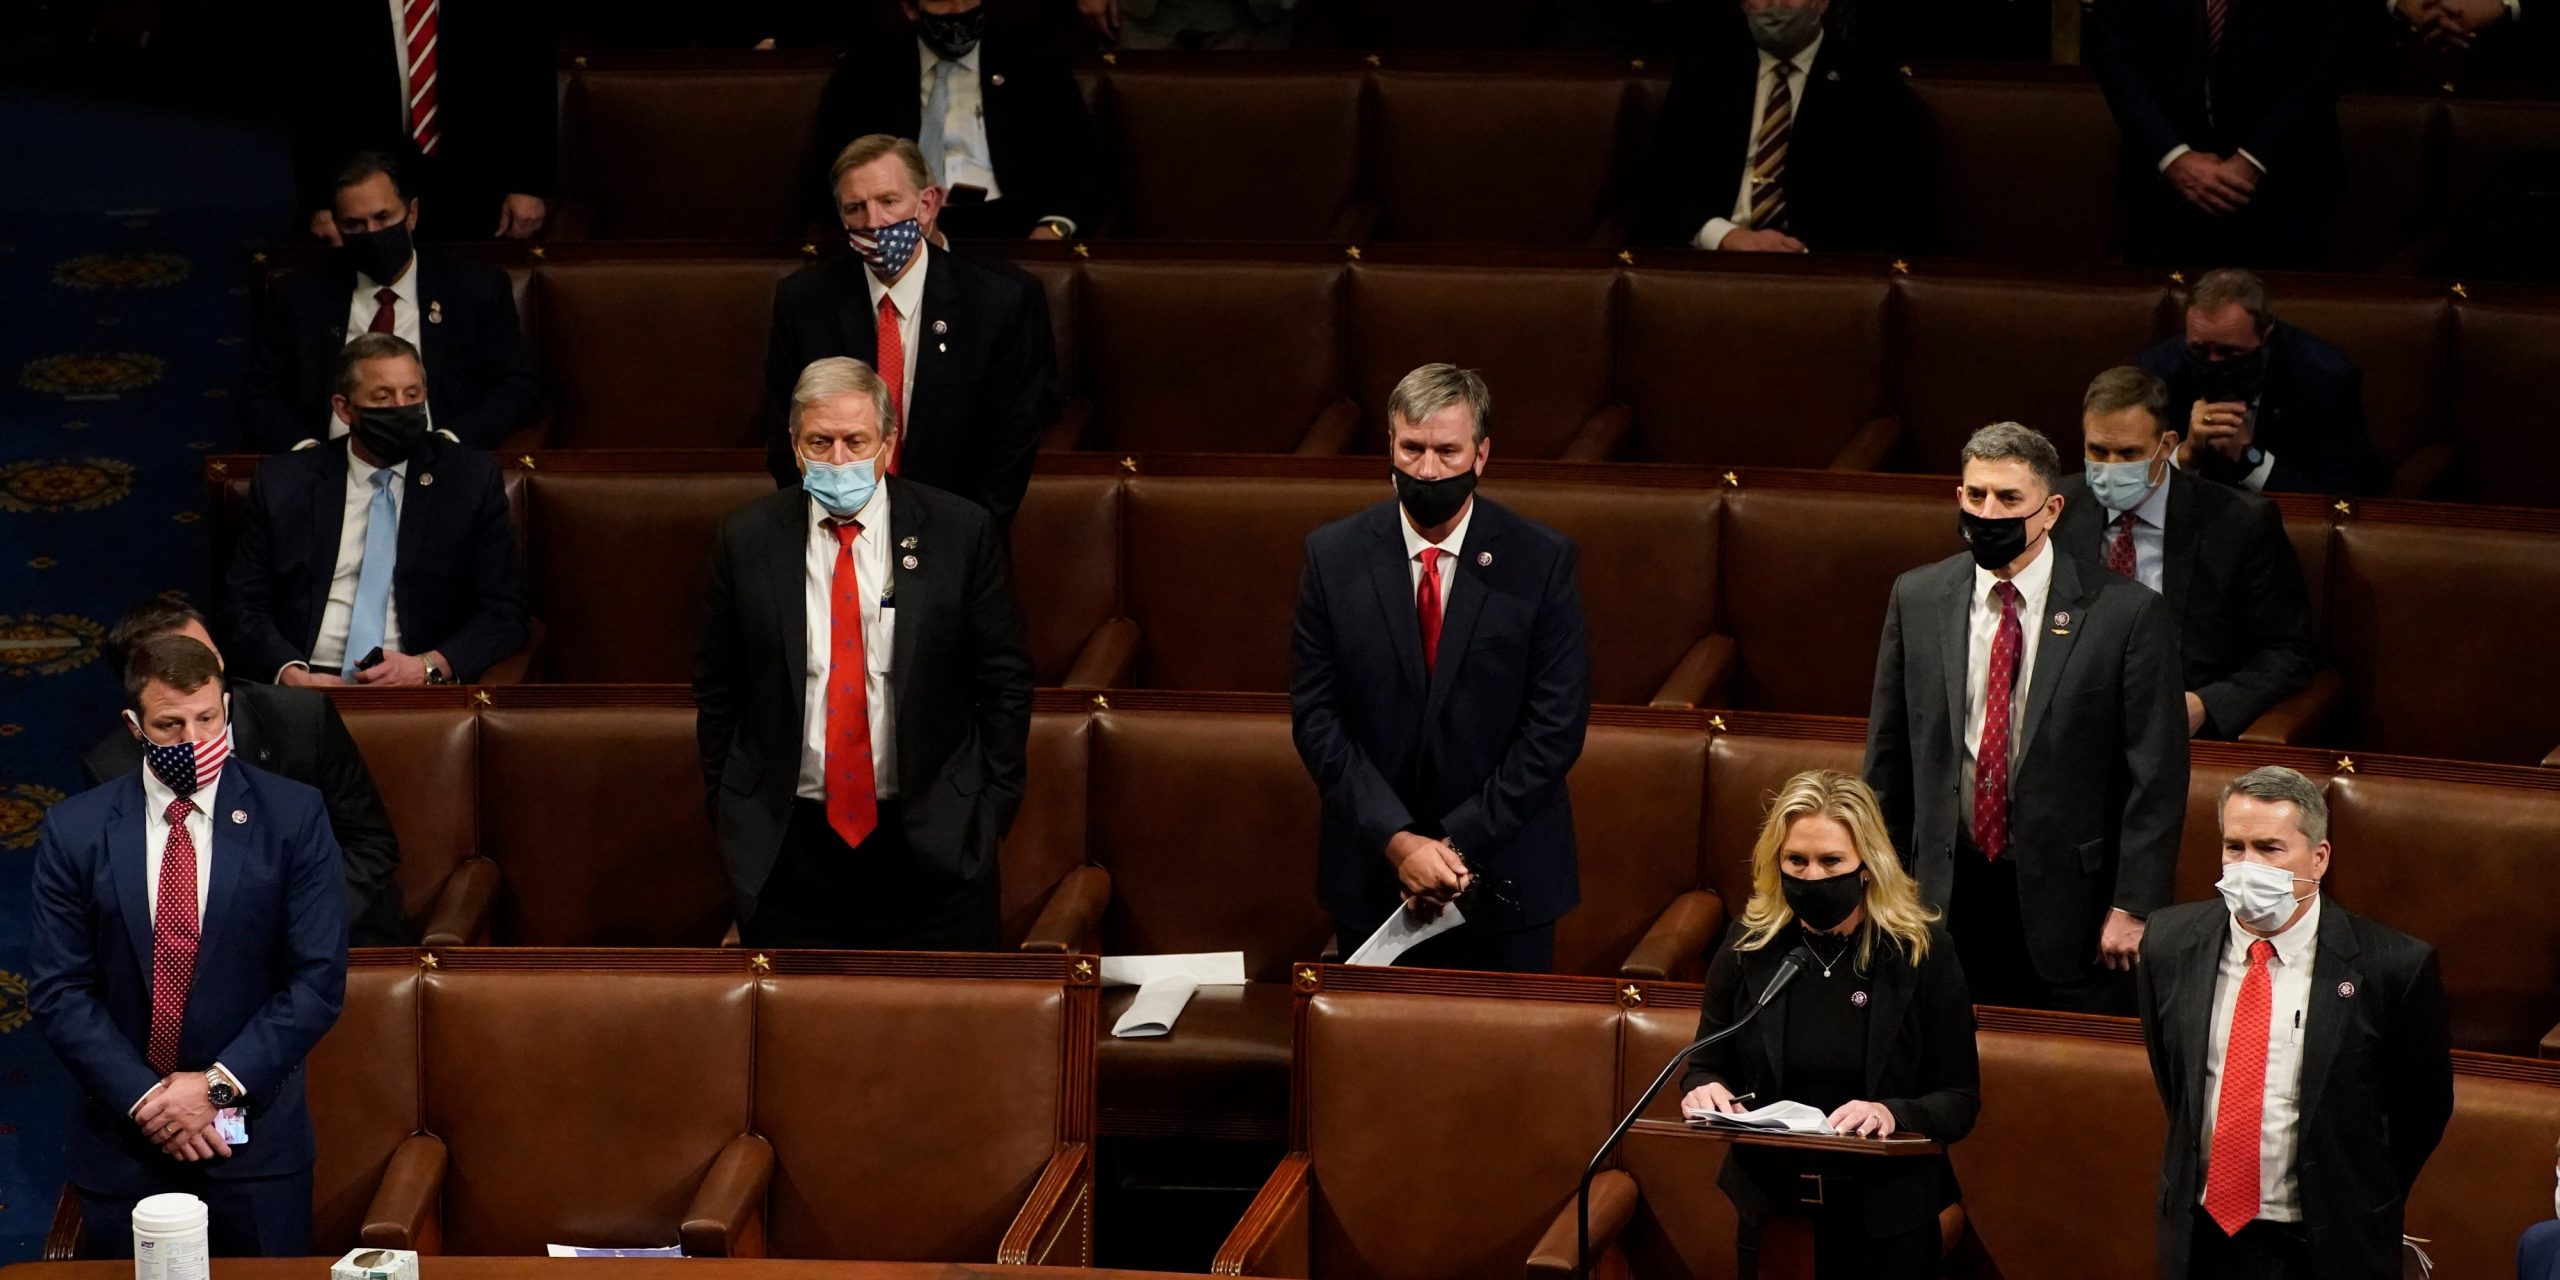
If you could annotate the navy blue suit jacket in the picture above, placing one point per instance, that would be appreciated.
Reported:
(271, 968)
(2310, 414)
(1478, 750)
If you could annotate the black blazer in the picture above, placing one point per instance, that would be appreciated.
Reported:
(1849, 178)
(2272, 91)
(958, 668)
(459, 588)
(2233, 587)
(2377, 1080)
(1039, 138)
(298, 734)
(1478, 751)
(2099, 792)
(1920, 1065)
(480, 384)
(2310, 414)
(497, 100)
(986, 374)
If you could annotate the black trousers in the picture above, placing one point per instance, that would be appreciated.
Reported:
(1991, 941)
(2261, 1251)
(244, 1217)
(826, 894)
(1473, 946)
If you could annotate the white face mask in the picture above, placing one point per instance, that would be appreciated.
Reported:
(2260, 896)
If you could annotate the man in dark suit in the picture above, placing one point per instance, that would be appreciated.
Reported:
(383, 558)
(190, 947)
(1438, 690)
(2228, 114)
(967, 353)
(2217, 554)
(461, 316)
(993, 106)
(2301, 1051)
(293, 732)
(464, 90)
(2026, 742)
(864, 694)
(2268, 406)
(1788, 141)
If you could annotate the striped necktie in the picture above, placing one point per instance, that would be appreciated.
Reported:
(1769, 153)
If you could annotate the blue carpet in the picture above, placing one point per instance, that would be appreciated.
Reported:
(125, 272)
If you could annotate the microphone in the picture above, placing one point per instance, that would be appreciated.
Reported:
(1789, 965)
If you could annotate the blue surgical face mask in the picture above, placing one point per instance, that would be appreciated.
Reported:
(2122, 486)
(841, 489)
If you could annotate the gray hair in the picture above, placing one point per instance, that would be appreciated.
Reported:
(2226, 286)
(373, 346)
(2015, 442)
(841, 376)
(1435, 387)
(2125, 387)
(2276, 784)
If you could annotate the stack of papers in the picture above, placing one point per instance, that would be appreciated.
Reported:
(1777, 1117)
(1165, 984)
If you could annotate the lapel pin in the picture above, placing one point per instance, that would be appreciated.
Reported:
(2062, 619)
(940, 326)
(908, 562)
(997, 79)
(907, 543)
(942, 346)
(2346, 991)
(435, 312)
(426, 479)
(1484, 559)
(239, 817)
(1858, 998)
(1832, 76)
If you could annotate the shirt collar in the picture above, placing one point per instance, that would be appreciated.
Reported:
(2293, 946)
(1802, 62)
(2033, 582)
(406, 289)
(927, 59)
(156, 794)
(360, 472)
(1414, 543)
(909, 290)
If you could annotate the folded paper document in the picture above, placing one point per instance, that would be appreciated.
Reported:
(1208, 968)
(1403, 931)
(1777, 1117)
(1159, 1002)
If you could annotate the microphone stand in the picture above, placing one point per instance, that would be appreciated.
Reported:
(1792, 964)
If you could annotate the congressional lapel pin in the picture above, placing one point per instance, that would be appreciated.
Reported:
(435, 312)
(1484, 559)
(426, 478)
(941, 327)
(1832, 76)
(1858, 998)
(997, 79)
(908, 562)
(239, 817)
(2062, 624)
(2346, 991)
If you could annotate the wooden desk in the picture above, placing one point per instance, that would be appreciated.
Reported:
(442, 1268)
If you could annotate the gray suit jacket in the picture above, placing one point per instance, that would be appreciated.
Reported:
(2099, 790)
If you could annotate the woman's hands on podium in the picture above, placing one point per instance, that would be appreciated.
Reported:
(1712, 1097)
(1862, 1120)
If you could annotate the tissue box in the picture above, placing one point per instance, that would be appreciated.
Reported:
(376, 1264)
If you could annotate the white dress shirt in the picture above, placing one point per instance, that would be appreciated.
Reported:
(908, 293)
(879, 639)
(2150, 525)
(329, 652)
(1414, 543)
(156, 796)
(2034, 583)
(966, 160)
(361, 306)
(1711, 236)
(2289, 986)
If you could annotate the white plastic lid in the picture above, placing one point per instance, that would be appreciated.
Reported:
(169, 1213)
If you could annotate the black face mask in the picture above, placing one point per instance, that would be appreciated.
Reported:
(952, 35)
(380, 255)
(391, 432)
(1433, 502)
(1994, 540)
(2235, 380)
(1823, 904)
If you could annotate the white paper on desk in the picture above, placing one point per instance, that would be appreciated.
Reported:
(581, 1251)
(1403, 931)
(1777, 1117)
(1208, 968)
(1158, 1003)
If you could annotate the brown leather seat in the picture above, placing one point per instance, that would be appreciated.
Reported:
(362, 1087)
(2076, 1111)
(654, 353)
(1983, 134)
(1248, 538)
(1214, 358)
(1066, 574)
(2503, 372)
(619, 565)
(2441, 633)
(1971, 353)
(1220, 153)
(1806, 588)
(2388, 211)
(1744, 772)
(425, 762)
(691, 153)
(1047, 843)
(1451, 148)
(2401, 337)
(1542, 337)
(1777, 368)
(1647, 560)
(1637, 819)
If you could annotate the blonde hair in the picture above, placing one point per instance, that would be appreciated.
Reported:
(1892, 903)
(872, 146)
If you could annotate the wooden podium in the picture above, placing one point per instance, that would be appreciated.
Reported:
(1786, 1237)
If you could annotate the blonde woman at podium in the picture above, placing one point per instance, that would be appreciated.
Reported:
(1876, 1033)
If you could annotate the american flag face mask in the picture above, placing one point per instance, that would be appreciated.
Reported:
(887, 248)
(187, 766)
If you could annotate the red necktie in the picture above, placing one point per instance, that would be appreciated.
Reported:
(388, 316)
(418, 30)
(2231, 1167)
(892, 368)
(2120, 552)
(1426, 606)
(2216, 14)
(1991, 759)
(173, 939)
(853, 800)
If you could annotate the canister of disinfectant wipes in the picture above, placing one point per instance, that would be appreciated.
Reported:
(169, 1238)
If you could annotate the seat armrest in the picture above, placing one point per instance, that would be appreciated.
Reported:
(62, 1239)
(1332, 953)
(407, 1208)
(1273, 1237)
(1867, 450)
(2299, 720)
(2420, 474)
(1702, 674)
(521, 666)
(2549, 1048)
(460, 914)
(1055, 1226)
(1109, 658)
(1613, 1205)
(726, 1218)
(1067, 433)
(1074, 911)
(735, 937)
(1333, 431)
(1675, 947)
(1599, 438)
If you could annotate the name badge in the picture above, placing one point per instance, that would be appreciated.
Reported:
(232, 1123)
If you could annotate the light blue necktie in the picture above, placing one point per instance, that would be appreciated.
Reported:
(937, 105)
(373, 581)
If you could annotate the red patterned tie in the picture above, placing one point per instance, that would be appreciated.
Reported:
(2231, 1168)
(853, 799)
(1991, 759)
(388, 317)
(1426, 606)
(173, 938)
(892, 368)
(2120, 551)
(418, 30)
(2216, 14)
